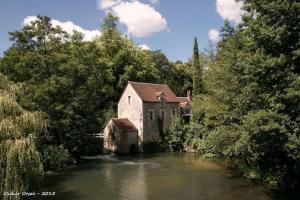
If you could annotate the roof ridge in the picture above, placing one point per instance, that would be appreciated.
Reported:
(147, 83)
(119, 118)
(148, 91)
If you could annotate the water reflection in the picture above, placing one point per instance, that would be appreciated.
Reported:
(162, 176)
(134, 185)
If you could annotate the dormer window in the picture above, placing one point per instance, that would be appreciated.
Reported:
(162, 100)
(129, 99)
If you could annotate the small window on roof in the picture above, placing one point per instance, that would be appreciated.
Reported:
(162, 100)
(129, 99)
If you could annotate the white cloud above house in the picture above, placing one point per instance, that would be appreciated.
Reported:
(230, 10)
(144, 47)
(140, 19)
(214, 35)
(69, 27)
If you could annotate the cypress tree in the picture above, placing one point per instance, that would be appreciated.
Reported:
(197, 71)
(198, 87)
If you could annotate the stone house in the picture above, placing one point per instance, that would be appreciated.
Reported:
(147, 110)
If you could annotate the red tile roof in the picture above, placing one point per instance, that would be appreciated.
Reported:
(150, 92)
(184, 104)
(183, 99)
(124, 124)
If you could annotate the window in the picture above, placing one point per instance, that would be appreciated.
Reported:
(162, 101)
(162, 115)
(129, 99)
(174, 112)
(150, 113)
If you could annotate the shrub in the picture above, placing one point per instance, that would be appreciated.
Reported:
(55, 157)
(194, 138)
(154, 146)
(176, 134)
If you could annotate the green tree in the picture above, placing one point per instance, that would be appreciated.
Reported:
(110, 22)
(227, 30)
(67, 79)
(252, 102)
(125, 59)
(197, 71)
(20, 161)
(175, 136)
(76, 83)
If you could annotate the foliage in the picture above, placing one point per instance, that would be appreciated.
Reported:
(194, 138)
(251, 108)
(199, 62)
(246, 96)
(197, 71)
(20, 162)
(55, 157)
(75, 83)
(175, 136)
(182, 136)
(153, 146)
(227, 31)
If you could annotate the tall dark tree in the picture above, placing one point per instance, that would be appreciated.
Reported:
(197, 71)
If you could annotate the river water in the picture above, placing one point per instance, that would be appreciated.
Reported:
(167, 176)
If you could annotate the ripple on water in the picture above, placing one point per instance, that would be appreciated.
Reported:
(168, 176)
(113, 158)
(101, 157)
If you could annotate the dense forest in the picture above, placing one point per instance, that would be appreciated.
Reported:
(247, 103)
(57, 88)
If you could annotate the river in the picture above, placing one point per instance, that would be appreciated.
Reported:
(166, 176)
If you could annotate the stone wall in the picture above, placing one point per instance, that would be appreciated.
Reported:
(133, 110)
(118, 141)
(137, 112)
(151, 127)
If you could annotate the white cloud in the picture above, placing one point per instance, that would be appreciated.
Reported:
(141, 19)
(230, 10)
(214, 35)
(144, 47)
(28, 19)
(105, 4)
(69, 27)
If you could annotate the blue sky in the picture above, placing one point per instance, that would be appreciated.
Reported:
(166, 25)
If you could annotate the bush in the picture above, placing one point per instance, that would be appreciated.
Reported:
(55, 157)
(194, 138)
(154, 146)
(176, 134)
(185, 137)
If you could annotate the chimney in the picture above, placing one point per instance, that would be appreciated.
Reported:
(189, 95)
